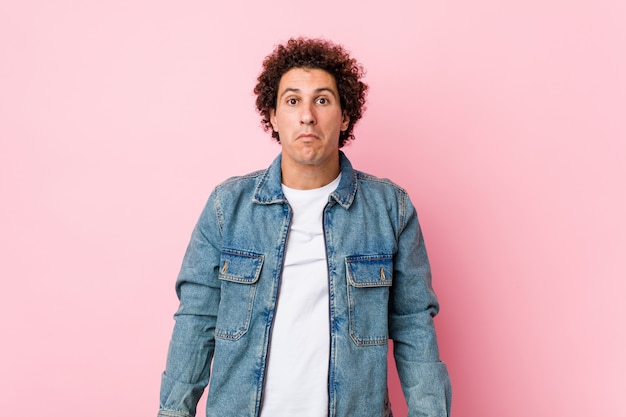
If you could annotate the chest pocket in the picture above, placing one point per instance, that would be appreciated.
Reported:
(369, 278)
(239, 273)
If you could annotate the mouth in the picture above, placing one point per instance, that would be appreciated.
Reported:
(308, 136)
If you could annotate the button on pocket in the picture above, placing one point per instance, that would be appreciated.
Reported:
(369, 279)
(239, 272)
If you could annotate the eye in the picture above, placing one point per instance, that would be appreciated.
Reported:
(322, 100)
(292, 101)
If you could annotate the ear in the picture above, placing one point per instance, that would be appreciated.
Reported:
(345, 121)
(273, 120)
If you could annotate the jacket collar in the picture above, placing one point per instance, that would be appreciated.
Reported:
(269, 189)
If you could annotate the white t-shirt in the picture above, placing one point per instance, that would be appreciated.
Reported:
(296, 381)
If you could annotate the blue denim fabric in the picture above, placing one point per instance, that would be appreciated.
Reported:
(380, 289)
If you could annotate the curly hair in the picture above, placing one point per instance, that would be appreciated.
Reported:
(312, 54)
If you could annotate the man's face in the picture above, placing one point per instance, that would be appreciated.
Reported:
(308, 117)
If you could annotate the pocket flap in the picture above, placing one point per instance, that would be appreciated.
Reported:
(370, 270)
(240, 266)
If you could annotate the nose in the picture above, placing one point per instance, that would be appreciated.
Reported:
(307, 116)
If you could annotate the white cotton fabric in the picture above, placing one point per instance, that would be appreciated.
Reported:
(296, 381)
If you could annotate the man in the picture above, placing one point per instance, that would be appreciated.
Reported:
(297, 276)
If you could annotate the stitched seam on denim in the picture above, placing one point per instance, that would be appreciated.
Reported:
(229, 335)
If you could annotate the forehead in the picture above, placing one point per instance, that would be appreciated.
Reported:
(305, 79)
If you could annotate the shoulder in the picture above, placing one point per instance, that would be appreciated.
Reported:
(384, 193)
(234, 190)
(369, 181)
(240, 181)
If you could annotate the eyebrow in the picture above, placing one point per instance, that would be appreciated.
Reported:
(317, 91)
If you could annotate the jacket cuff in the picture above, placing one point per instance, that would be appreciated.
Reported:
(170, 413)
(178, 399)
(426, 387)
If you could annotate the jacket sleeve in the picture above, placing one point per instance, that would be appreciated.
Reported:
(191, 347)
(424, 378)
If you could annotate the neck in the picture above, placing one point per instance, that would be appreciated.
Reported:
(308, 177)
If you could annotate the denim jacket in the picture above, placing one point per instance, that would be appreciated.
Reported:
(380, 289)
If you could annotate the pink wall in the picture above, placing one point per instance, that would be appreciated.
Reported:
(504, 120)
